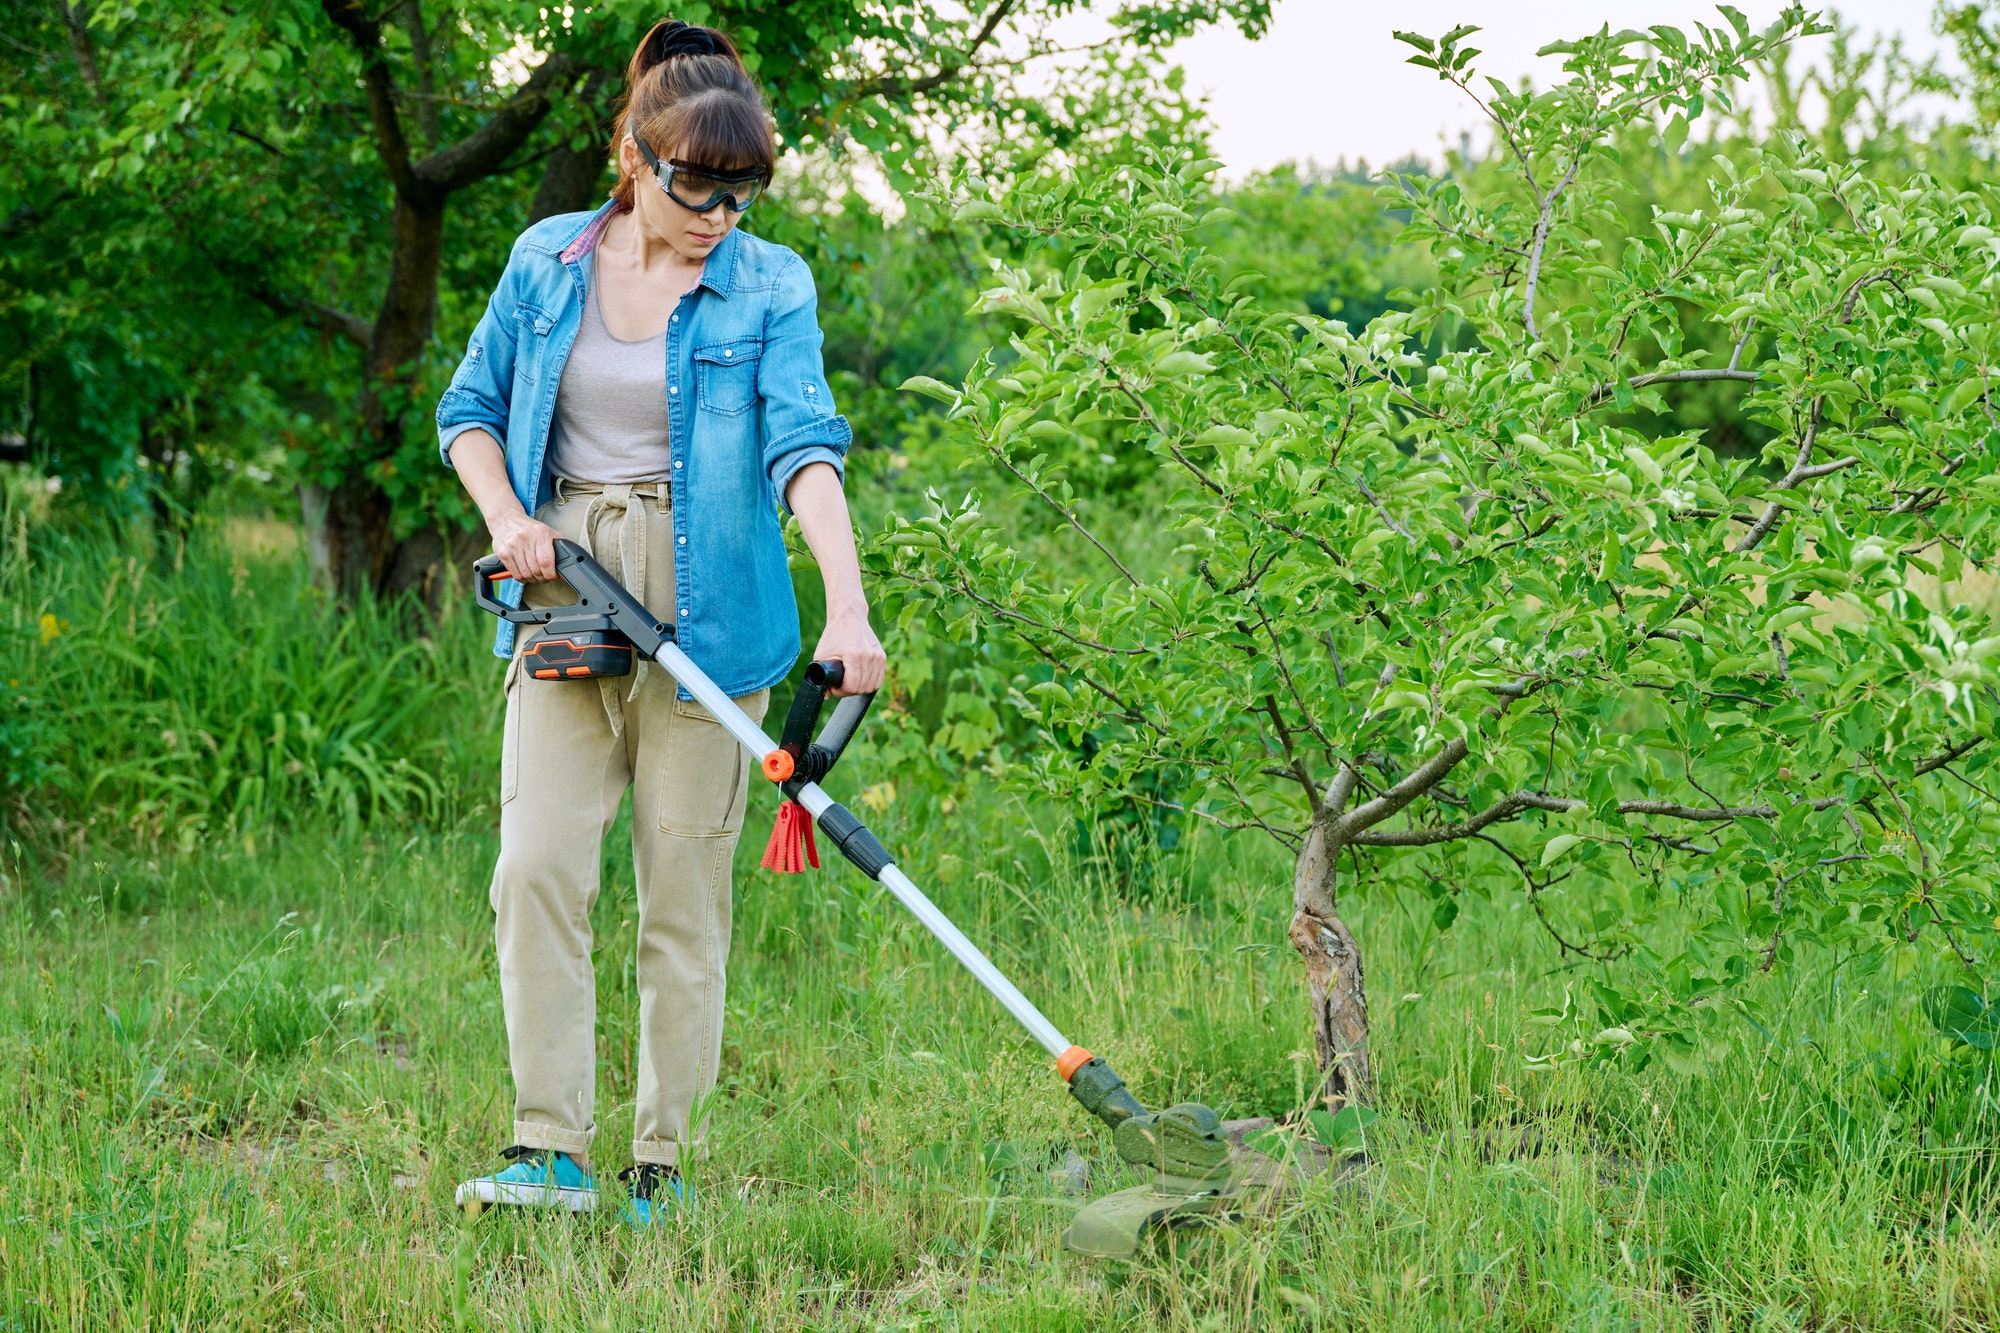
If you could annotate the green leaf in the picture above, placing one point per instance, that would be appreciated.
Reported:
(1966, 394)
(931, 388)
(1558, 847)
(1177, 364)
(1962, 1016)
(1343, 1130)
(979, 210)
(1675, 134)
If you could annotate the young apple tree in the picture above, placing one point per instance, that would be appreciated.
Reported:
(1439, 610)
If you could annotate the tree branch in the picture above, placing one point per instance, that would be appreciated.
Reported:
(411, 16)
(1950, 756)
(366, 32)
(1286, 837)
(1427, 775)
(1297, 768)
(81, 47)
(1799, 472)
(900, 87)
(1068, 512)
(325, 318)
(1548, 204)
(1382, 509)
(486, 150)
(1508, 806)
(1606, 391)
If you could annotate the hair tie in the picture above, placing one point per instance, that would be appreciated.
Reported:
(675, 38)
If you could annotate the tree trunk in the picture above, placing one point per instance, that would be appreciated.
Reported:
(351, 531)
(573, 178)
(354, 545)
(350, 525)
(409, 307)
(348, 528)
(570, 182)
(1337, 997)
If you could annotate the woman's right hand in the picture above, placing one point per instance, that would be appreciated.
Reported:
(527, 547)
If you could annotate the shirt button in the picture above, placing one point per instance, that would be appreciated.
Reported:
(677, 462)
(684, 610)
(728, 351)
(673, 388)
(677, 319)
(682, 540)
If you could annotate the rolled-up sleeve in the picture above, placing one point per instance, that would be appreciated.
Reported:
(800, 424)
(478, 398)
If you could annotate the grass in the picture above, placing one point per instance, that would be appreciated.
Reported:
(218, 695)
(247, 1082)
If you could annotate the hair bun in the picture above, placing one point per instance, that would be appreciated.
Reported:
(675, 38)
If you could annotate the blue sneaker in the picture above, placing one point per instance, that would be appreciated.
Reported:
(538, 1178)
(655, 1191)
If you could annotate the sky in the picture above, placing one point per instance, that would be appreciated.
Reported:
(1328, 81)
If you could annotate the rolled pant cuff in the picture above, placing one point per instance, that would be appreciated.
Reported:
(554, 1138)
(666, 1152)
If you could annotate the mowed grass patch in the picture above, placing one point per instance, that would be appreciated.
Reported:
(246, 1083)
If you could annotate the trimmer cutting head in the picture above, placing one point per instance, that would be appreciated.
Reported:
(1195, 1172)
(1190, 1163)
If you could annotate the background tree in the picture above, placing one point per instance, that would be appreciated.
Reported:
(1423, 608)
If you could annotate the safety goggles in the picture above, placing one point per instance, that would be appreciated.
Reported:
(698, 188)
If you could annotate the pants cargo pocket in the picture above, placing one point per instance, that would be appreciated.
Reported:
(706, 779)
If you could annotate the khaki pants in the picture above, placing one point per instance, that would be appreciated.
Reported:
(571, 749)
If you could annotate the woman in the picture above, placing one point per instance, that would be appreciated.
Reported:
(647, 382)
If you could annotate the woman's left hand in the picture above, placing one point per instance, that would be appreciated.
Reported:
(848, 641)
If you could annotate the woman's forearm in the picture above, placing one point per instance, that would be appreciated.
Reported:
(526, 547)
(816, 497)
(482, 470)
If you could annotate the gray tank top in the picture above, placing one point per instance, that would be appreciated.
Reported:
(611, 407)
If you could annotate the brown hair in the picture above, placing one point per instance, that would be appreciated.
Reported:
(688, 96)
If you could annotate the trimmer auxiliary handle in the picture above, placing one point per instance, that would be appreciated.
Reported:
(797, 764)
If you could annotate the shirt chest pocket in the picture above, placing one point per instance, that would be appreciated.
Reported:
(531, 340)
(727, 375)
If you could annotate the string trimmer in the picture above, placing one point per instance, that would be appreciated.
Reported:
(1182, 1147)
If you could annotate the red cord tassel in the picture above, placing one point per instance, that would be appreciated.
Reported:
(792, 844)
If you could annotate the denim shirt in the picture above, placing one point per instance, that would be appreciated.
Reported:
(747, 406)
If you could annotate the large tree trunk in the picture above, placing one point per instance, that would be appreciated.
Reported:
(573, 179)
(348, 527)
(351, 525)
(350, 539)
(1336, 994)
(571, 182)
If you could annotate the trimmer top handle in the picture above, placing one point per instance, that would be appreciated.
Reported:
(813, 759)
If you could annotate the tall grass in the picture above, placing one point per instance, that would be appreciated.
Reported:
(219, 695)
(246, 1106)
